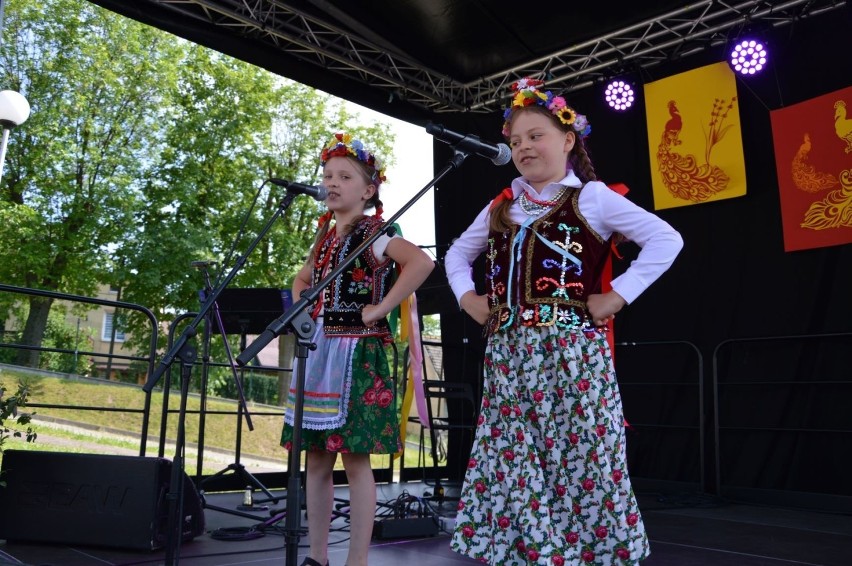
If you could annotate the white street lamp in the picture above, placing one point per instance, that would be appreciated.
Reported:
(14, 111)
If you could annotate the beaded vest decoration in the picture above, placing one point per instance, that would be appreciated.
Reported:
(365, 282)
(541, 272)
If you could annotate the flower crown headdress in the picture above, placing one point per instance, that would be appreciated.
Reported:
(342, 145)
(527, 94)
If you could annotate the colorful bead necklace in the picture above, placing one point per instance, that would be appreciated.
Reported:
(534, 207)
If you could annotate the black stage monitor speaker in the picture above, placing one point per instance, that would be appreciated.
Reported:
(92, 500)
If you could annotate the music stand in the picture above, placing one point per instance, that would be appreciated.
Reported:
(249, 311)
(244, 312)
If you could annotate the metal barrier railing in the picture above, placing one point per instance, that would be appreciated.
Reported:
(770, 375)
(724, 371)
(203, 411)
(626, 383)
(146, 410)
(275, 479)
(223, 479)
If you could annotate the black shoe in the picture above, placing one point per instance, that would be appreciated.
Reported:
(311, 562)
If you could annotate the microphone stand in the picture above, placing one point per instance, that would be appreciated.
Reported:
(188, 352)
(302, 325)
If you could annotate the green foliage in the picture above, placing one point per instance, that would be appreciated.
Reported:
(10, 416)
(257, 387)
(58, 335)
(144, 153)
(431, 325)
(62, 336)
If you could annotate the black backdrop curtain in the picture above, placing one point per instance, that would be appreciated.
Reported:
(782, 404)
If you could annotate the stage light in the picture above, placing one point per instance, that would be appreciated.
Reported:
(619, 95)
(748, 56)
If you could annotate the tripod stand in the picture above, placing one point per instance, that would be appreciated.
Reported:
(243, 312)
(186, 351)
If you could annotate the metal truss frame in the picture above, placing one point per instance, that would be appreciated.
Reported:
(678, 33)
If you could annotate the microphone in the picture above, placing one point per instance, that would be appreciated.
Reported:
(317, 193)
(499, 154)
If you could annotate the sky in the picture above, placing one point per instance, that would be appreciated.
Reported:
(411, 172)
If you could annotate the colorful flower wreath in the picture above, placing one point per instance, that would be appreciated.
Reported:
(342, 145)
(527, 94)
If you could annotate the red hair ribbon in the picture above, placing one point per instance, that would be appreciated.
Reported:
(505, 195)
(324, 219)
(620, 188)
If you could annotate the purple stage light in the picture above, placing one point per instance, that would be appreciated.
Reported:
(748, 57)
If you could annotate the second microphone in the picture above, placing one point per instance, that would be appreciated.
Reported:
(499, 154)
(318, 192)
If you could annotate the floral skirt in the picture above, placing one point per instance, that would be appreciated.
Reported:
(372, 423)
(547, 480)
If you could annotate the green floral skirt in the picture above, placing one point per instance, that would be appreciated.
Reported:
(372, 424)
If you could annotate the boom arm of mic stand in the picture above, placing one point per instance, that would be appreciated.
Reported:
(277, 326)
(192, 329)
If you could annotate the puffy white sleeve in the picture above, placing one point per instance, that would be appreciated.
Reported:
(380, 245)
(607, 212)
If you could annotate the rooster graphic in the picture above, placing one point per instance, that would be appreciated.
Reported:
(842, 124)
(681, 174)
(805, 176)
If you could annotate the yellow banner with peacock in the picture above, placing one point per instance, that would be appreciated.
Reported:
(695, 138)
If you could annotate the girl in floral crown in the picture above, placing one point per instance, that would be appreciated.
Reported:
(350, 406)
(547, 481)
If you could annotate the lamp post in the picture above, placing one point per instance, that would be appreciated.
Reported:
(14, 111)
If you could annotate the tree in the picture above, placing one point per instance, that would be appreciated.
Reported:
(233, 126)
(144, 153)
(70, 189)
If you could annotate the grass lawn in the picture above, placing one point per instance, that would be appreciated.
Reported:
(105, 416)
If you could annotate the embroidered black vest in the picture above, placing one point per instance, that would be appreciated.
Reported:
(530, 283)
(364, 282)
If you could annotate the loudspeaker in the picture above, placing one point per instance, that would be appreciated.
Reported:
(92, 499)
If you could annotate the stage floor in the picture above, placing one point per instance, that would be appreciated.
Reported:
(688, 529)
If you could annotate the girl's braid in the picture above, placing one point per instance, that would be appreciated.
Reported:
(581, 163)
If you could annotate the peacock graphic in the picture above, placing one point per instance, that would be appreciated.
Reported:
(835, 208)
(681, 174)
(833, 211)
(805, 176)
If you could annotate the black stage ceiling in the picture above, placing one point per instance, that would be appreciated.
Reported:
(417, 59)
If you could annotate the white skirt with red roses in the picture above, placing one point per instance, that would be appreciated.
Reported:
(547, 480)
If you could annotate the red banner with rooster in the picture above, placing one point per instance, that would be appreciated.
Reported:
(813, 156)
(695, 138)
